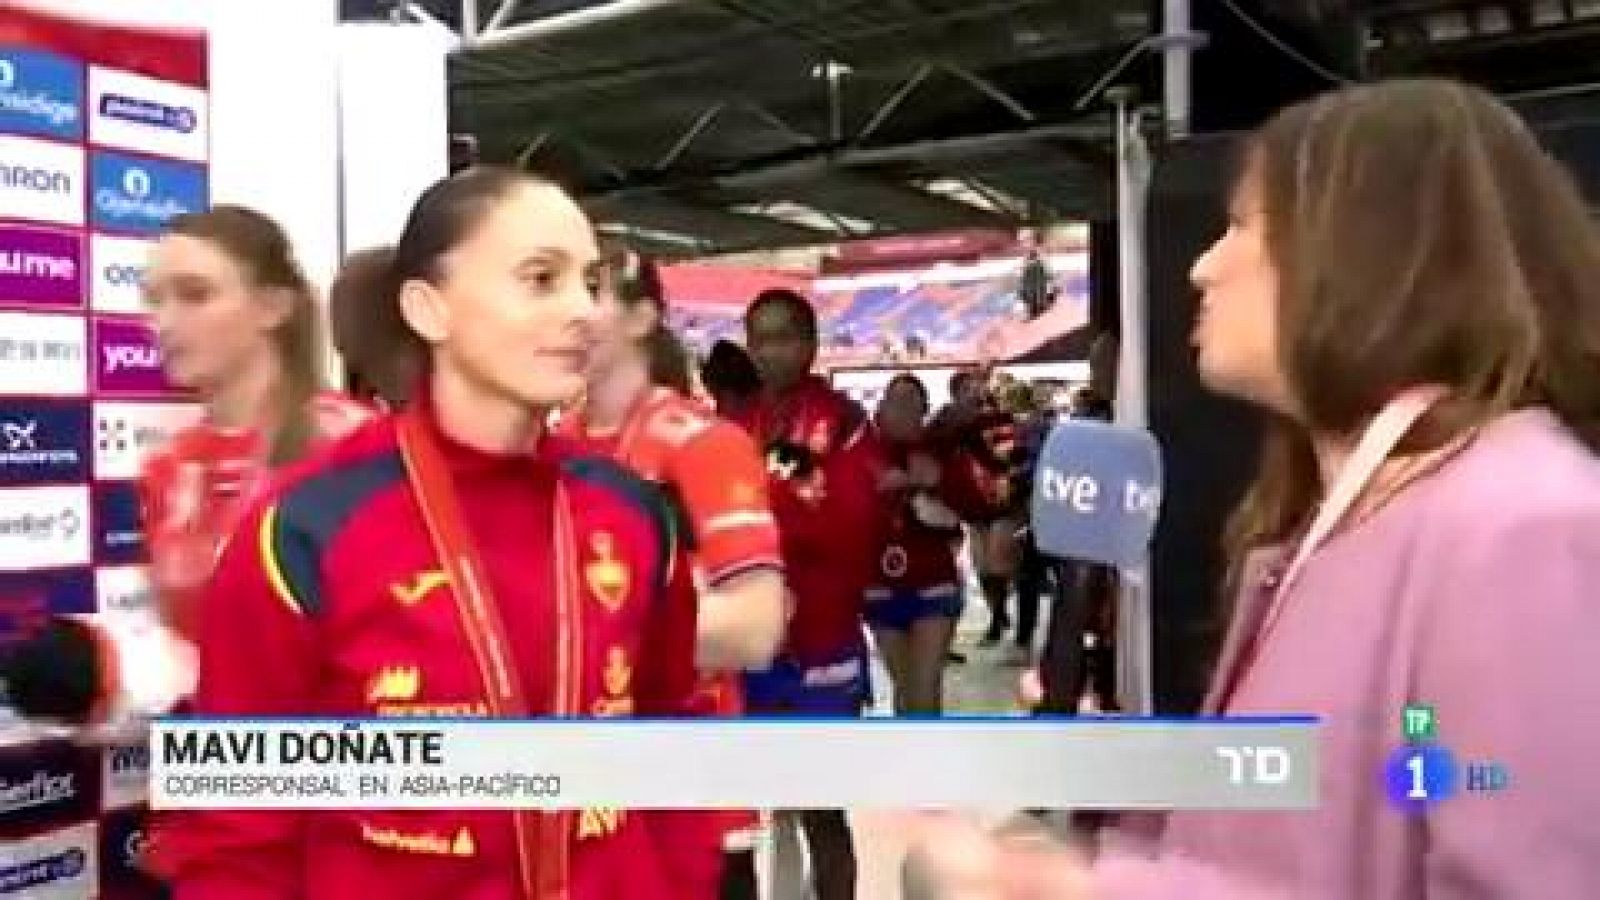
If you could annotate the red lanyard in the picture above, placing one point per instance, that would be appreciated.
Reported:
(543, 841)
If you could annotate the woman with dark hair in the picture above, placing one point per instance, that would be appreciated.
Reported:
(236, 321)
(826, 461)
(454, 543)
(1408, 286)
(638, 411)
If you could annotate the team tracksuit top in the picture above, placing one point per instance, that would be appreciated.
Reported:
(332, 600)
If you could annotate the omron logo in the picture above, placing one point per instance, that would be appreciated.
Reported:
(20, 176)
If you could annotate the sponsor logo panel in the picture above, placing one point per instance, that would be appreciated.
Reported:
(43, 355)
(125, 434)
(135, 112)
(62, 864)
(118, 264)
(46, 784)
(41, 180)
(40, 94)
(27, 600)
(141, 196)
(123, 590)
(40, 267)
(42, 441)
(127, 360)
(127, 774)
(119, 537)
(44, 527)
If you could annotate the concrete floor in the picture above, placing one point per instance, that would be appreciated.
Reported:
(985, 683)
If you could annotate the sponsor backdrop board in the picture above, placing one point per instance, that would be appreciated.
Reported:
(104, 137)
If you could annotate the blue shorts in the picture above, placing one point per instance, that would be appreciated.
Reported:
(899, 609)
(838, 687)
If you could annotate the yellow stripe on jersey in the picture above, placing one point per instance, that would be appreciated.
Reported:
(270, 566)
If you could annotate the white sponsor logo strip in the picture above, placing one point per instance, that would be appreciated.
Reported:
(41, 180)
(43, 355)
(126, 433)
(134, 112)
(44, 527)
(118, 264)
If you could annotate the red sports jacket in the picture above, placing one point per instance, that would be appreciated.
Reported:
(917, 555)
(831, 522)
(333, 601)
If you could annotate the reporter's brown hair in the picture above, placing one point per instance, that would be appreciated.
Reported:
(1421, 235)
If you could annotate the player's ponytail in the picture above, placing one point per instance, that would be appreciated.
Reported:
(381, 352)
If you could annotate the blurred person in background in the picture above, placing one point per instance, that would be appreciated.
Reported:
(1425, 526)
(453, 539)
(975, 424)
(916, 596)
(638, 411)
(731, 378)
(826, 462)
(237, 323)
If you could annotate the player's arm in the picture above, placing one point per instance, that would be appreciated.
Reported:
(257, 658)
(1520, 599)
(961, 490)
(668, 672)
(720, 477)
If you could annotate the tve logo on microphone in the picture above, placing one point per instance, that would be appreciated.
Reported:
(1097, 492)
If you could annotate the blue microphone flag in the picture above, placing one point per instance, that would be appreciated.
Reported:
(1096, 493)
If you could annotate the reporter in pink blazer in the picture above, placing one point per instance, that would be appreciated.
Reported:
(1411, 287)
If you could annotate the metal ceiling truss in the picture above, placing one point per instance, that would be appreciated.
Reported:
(844, 178)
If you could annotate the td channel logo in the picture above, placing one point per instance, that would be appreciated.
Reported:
(140, 196)
(40, 94)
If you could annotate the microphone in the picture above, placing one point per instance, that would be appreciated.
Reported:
(1096, 493)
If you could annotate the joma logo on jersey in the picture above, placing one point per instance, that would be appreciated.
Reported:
(417, 590)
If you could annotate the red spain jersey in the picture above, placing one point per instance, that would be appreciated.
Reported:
(340, 602)
(718, 479)
(194, 490)
(712, 469)
(830, 520)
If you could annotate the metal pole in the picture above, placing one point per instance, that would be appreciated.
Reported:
(1132, 405)
(469, 20)
(1177, 54)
